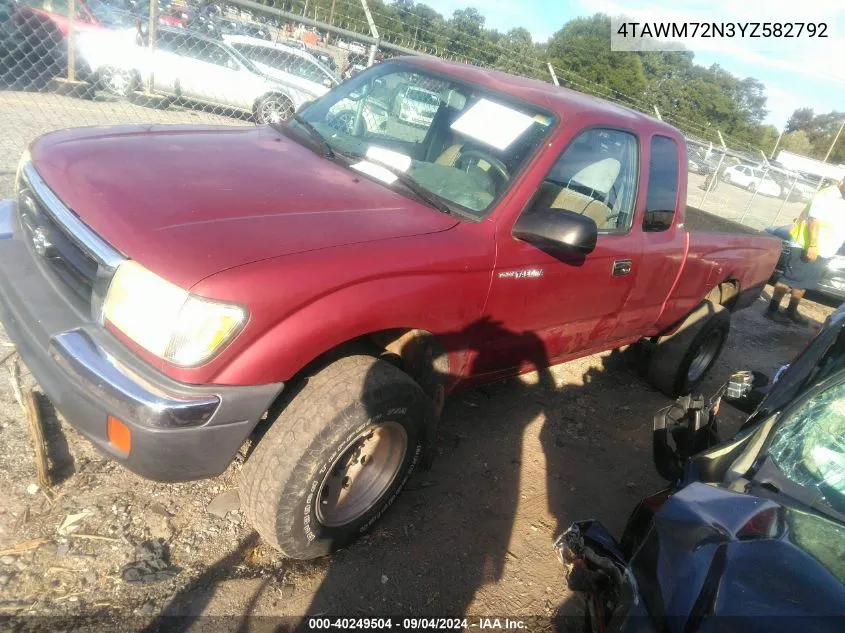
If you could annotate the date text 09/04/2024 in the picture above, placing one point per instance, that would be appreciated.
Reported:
(684, 30)
(415, 624)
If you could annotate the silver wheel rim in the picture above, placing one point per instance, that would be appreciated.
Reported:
(706, 354)
(358, 479)
(275, 111)
(118, 82)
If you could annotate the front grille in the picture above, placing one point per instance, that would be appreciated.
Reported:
(79, 261)
(72, 266)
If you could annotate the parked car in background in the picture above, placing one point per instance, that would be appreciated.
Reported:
(187, 66)
(753, 179)
(292, 43)
(292, 67)
(832, 283)
(353, 65)
(358, 48)
(42, 27)
(323, 57)
(417, 105)
(749, 531)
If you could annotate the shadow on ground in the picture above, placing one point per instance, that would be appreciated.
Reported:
(518, 462)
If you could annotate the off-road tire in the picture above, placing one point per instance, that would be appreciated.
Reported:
(282, 478)
(673, 355)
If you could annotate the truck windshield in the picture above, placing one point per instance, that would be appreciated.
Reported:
(457, 141)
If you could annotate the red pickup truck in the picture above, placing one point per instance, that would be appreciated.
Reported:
(318, 287)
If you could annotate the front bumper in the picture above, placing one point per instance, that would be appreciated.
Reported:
(179, 431)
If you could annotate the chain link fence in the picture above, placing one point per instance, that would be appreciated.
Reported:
(68, 63)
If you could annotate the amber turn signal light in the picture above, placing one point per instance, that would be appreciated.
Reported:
(119, 434)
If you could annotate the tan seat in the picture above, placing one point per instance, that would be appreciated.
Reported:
(450, 155)
(570, 200)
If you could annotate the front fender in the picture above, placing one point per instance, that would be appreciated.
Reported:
(426, 302)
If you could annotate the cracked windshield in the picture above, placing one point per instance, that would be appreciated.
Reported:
(455, 141)
(810, 448)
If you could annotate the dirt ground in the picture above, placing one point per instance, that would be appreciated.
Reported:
(519, 460)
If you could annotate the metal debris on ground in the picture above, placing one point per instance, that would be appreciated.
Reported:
(152, 564)
(71, 522)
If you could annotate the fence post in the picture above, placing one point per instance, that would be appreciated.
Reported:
(753, 196)
(71, 53)
(151, 42)
(373, 31)
(552, 73)
(785, 200)
(709, 186)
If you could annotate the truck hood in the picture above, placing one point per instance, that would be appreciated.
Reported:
(190, 201)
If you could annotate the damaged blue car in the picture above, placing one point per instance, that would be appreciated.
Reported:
(750, 534)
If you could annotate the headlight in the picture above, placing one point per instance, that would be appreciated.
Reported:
(181, 328)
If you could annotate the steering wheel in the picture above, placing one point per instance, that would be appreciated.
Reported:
(497, 165)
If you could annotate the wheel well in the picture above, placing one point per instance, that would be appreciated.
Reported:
(416, 352)
(272, 93)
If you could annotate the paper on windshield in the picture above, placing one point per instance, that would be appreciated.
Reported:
(390, 158)
(376, 171)
(492, 123)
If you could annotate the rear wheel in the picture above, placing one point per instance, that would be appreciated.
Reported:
(273, 109)
(680, 361)
(337, 456)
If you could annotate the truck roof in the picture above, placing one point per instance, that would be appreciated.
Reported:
(564, 101)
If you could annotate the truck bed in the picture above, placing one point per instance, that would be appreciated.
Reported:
(701, 221)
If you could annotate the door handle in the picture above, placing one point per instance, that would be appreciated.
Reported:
(621, 267)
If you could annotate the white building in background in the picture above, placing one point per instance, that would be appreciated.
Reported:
(796, 162)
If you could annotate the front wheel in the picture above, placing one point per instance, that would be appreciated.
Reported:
(117, 81)
(337, 456)
(273, 109)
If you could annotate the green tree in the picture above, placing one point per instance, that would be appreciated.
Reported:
(580, 49)
(797, 143)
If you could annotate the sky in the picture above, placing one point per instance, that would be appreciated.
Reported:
(795, 73)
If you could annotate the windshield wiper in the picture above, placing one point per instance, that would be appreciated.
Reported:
(421, 193)
(325, 149)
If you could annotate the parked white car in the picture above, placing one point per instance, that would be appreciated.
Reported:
(186, 66)
(357, 47)
(418, 105)
(296, 69)
(753, 179)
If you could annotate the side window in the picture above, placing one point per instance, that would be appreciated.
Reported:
(213, 54)
(596, 176)
(662, 185)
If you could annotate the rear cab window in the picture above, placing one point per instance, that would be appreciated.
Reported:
(662, 193)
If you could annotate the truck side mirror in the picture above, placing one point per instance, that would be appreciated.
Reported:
(557, 231)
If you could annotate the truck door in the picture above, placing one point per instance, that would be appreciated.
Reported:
(573, 304)
(664, 240)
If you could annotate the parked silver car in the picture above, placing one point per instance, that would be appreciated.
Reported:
(295, 68)
(187, 66)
